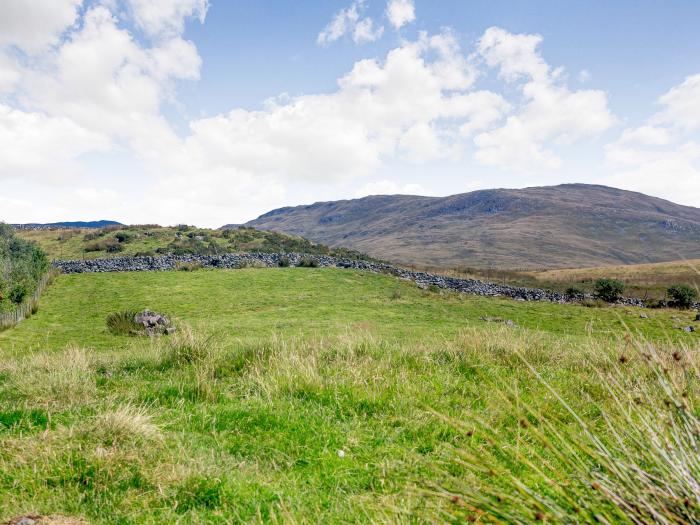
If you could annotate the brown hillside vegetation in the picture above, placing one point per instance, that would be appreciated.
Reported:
(572, 225)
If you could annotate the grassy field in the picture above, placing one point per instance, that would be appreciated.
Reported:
(293, 396)
(152, 240)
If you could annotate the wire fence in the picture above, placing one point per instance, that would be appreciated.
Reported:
(29, 306)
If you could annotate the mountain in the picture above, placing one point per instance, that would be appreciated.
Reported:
(76, 224)
(571, 225)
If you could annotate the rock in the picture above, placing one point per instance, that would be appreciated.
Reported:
(154, 323)
(689, 329)
(643, 316)
(24, 520)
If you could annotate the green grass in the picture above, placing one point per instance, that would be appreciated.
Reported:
(241, 417)
(253, 303)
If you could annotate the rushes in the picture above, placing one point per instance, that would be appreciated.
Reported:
(638, 463)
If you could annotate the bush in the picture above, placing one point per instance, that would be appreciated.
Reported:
(307, 262)
(682, 295)
(609, 290)
(122, 323)
(123, 237)
(111, 245)
(114, 247)
(574, 292)
(18, 293)
(284, 262)
(192, 266)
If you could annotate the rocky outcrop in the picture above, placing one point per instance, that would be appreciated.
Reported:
(243, 260)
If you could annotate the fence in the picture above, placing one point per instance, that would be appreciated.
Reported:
(29, 306)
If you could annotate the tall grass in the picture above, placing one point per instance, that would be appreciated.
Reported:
(639, 464)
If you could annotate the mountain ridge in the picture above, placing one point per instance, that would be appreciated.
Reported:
(570, 225)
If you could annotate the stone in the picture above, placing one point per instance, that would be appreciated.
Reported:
(689, 329)
(154, 323)
(643, 316)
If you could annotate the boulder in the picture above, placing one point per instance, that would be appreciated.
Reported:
(154, 323)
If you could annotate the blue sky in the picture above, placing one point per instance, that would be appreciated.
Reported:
(211, 112)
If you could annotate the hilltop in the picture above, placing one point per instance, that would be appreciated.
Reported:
(153, 240)
(571, 225)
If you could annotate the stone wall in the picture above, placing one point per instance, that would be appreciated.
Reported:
(243, 260)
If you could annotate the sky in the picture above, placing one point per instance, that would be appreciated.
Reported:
(211, 112)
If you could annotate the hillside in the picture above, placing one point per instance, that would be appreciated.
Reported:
(152, 240)
(572, 225)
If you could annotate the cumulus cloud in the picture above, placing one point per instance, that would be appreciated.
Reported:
(406, 106)
(550, 111)
(349, 21)
(661, 156)
(681, 105)
(388, 187)
(34, 25)
(400, 12)
(158, 17)
(37, 145)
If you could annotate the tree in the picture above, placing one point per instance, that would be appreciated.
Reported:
(682, 295)
(609, 290)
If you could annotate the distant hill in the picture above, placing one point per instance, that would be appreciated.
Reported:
(572, 225)
(76, 224)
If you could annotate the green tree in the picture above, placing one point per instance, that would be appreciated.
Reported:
(609, 290)
(682, 295)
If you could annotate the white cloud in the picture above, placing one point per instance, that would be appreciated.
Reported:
(550, 112)
(37, 145)
(661, 157)
(400, 12)
(32, 25)
(388, 187)
(646, 135)
(365, 31)
(103, 80)
(681, 105)
(349, 21)
(584, 76)
(158, 17)
(406, 106)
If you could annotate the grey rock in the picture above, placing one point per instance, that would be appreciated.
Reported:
(643, 316)
(689, 329)
(154, 323)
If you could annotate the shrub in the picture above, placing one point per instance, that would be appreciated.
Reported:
(573, 291)
(18, 293)
(191, 266)
(111, 245)
(114, 247)
(91, 236)
(123, 237)
(122, 323)
(609, 290)
(307, 262)
(284, 262)
(396, 294)
(682, 295)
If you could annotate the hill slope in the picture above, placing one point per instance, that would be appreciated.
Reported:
(571, 225)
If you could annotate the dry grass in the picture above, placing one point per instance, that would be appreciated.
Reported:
(53, 379)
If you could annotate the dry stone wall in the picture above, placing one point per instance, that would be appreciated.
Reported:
(243, 260)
